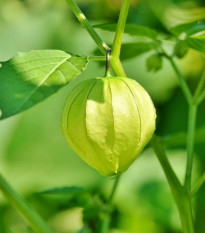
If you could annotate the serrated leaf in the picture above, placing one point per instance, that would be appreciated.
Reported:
(62, 191)
(130, 50)
(131, 29)
(30, 77)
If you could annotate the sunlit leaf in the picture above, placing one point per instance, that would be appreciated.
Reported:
(30, 77)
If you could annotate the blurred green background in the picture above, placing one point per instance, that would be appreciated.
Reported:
(33, 153)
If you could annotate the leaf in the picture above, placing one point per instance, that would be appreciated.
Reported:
(180, 28)
(188, 28)
(131, 29)
(154, 63)
(130, 50)
(180, 139)
(198, 28)
(30, 77)
(197, 43)
(62, 191)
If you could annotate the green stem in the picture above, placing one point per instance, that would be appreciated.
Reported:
(117, 66)
(96, 58)
(199, 89)
(181, 198)
(83, 20)
(183, 84)
(198, 185)
(185, 212)
(201, 97)
(120, 29)
(109, 201)
(169, 172)
(190, 145)
(17, 202)
(105, 224)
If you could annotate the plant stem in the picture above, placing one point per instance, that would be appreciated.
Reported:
(199, 88)
(190, 145)
(201, 97)
(17, 202)
(109, 201)
(183, 84)
(169, 172)
(181, 198)
(114, 62)
(117, 66)
(96, 58)
(83, 20)
(198, 185)
(120, 28)
(185, 212)
(105, 224)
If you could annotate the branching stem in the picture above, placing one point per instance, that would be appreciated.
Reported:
(181, 198)
(198, 185)
(83, 20)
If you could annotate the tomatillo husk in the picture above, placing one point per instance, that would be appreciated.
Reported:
(107, 121)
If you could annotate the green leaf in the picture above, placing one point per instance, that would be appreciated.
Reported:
(30, 77)
(131, 29)
(62, 191)
(180, 28)
(189, 29)
(198, 28)
(180, 139)
(130, 50)
(154, 63)
(197, 43)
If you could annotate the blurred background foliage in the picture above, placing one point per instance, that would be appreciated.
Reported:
(33, 153)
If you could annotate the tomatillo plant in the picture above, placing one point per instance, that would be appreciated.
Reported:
(106, 120)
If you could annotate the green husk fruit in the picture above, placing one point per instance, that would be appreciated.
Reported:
(107, 121)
